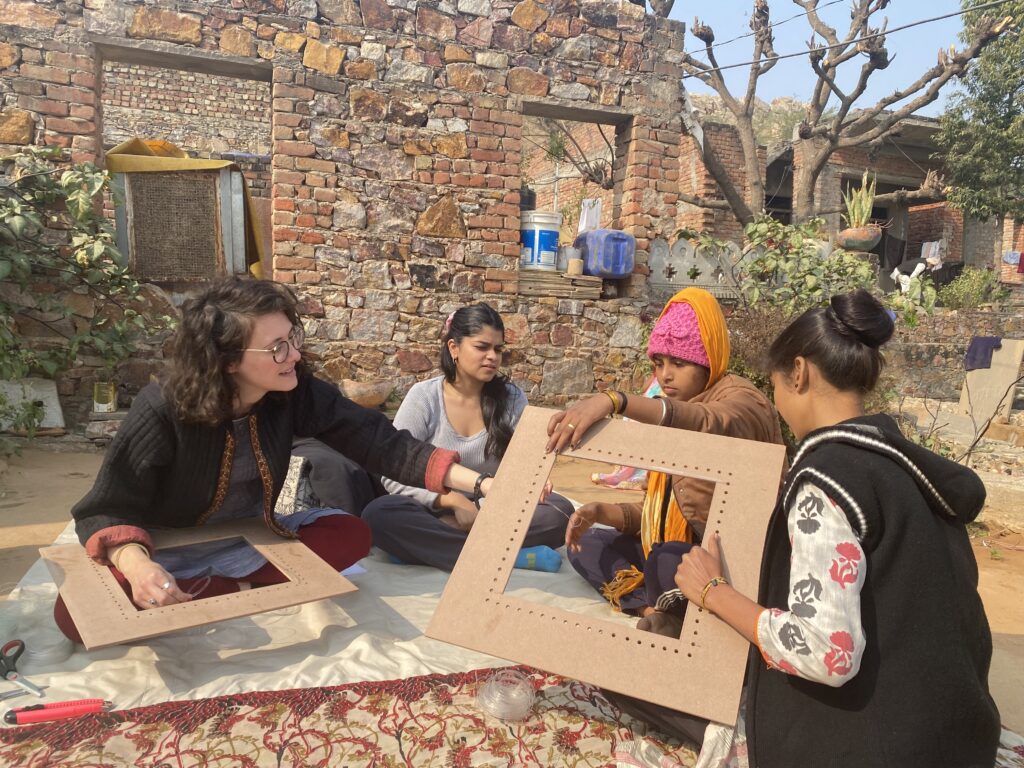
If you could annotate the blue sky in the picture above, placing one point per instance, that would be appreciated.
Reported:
(912, 51)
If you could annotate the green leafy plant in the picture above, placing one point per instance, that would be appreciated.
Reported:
(20, 418)
(972, 288)
(859, 203)
(789, 271)
(60, 272)
(919, 297)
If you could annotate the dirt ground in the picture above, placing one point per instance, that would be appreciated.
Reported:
(41, 486)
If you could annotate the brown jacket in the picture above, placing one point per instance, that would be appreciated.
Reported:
(732, 407)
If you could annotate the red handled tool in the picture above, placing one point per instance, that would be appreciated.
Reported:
(61, 710)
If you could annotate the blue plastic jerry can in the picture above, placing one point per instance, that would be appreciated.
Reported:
(607, 253)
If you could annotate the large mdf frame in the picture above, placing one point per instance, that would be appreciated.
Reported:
(105, 615)
(701, 672)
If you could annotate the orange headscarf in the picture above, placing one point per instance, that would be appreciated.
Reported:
(711, 322)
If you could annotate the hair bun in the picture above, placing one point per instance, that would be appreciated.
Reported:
(864, 317)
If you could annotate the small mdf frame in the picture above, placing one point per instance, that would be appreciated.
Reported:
(700, 673)
(105, 615)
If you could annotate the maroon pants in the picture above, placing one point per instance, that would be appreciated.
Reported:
(339, 540)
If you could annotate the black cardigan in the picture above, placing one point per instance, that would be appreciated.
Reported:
(160, 472)
(920, 698)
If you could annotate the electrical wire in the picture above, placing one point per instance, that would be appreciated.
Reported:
(777, 23)
(822, 48)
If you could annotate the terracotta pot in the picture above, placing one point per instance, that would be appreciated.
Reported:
(369, 394)
(859, 238)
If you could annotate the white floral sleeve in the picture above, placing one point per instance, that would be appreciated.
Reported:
(820, 637)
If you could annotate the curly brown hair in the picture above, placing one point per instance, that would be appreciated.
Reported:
(215, 327)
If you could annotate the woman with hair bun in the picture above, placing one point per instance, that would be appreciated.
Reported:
(212, 444)
(869, 642)
(471, 408)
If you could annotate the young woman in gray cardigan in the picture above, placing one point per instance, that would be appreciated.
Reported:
(471, 409)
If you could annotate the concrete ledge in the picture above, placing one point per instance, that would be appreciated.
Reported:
(172, 56)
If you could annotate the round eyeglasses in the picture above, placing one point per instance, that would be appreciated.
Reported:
(281, 349)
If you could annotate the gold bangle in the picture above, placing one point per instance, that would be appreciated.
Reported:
(713, 583)
(614, 397)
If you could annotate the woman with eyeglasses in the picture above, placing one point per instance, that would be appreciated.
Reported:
(212, 444)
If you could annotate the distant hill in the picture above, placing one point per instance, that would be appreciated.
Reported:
(773, 121)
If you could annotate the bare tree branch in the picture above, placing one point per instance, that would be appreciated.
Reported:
(932, 190)
(705, 202)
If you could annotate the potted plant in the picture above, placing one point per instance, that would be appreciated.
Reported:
(860, 234)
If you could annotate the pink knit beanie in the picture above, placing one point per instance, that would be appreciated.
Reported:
(677, 334)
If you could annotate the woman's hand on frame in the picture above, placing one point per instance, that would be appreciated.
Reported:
(152, 586)
(566, 428)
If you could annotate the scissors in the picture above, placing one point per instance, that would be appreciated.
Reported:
(9, 656)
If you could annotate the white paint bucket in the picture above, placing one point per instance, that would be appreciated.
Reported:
(539, 236)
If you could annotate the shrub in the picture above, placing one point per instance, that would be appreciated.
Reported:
(973, 288)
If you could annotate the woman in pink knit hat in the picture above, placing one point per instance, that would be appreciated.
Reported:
(633, 563)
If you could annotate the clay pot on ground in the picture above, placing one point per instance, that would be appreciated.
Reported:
(369, 394)
(859, 238)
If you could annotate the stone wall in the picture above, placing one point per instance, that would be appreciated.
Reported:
(927, 360)
(201, 113)
(396, 150)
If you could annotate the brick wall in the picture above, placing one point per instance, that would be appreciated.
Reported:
(936, 221)
(546, 175)
(695, 180)
(396, 135)
(202, 113)
(1013, 240)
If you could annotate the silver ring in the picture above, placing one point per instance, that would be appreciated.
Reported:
(166, 585)
(151, 601)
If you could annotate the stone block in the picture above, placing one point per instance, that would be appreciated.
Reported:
(456, 53)
(433, 24)
(466, 78)
(289, 41)
(28, 15)
(475, 7)
(377, 14)
(361, 69)
(402, 71)
(572, 91)
(376, 52)
(341, 11)
(452, 145)
(410, 113)
(527, 82)
(9, 55)
(16, 126)
(237, 41)
(477, 33)
(442, 219)
(492, 59)
(323, 58)
(567, 377)
(163, 24)
(367, 104)
(529, 15)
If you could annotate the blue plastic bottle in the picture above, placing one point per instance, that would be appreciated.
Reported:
(607, 253)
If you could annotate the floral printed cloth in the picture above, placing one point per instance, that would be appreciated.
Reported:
(432, 720)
